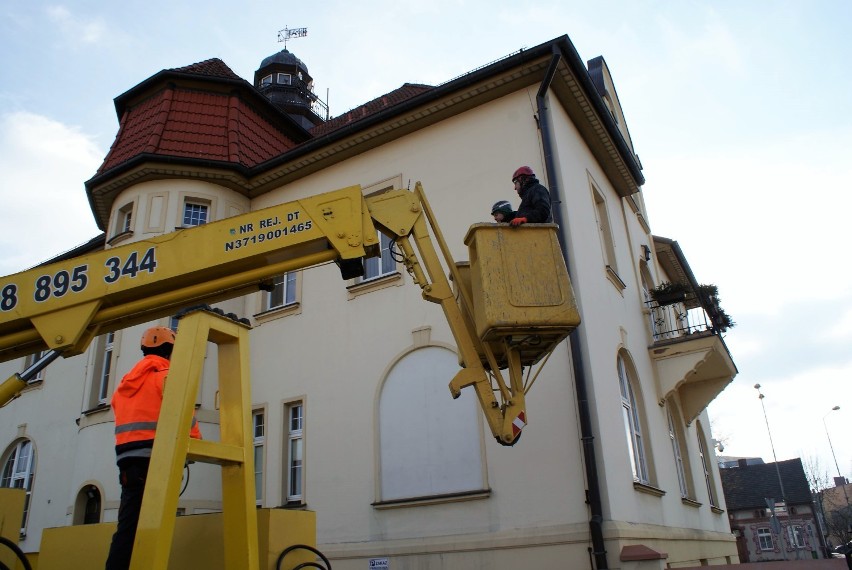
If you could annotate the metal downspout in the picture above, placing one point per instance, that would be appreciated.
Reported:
(593, 494)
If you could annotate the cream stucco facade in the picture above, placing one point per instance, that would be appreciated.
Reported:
(392, 466)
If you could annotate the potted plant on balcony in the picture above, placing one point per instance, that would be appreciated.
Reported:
(709, 295)
(667, 293)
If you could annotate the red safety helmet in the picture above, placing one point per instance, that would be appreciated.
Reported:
(157, 336)
(523, 171)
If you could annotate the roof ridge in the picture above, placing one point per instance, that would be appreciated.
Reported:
(213, 67)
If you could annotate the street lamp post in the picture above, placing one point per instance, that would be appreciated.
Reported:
(777, 471)
(834, 409)
(842, 480)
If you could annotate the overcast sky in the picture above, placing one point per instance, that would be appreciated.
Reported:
(738, 110)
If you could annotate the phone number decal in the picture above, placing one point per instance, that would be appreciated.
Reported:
(77, 279)
(267, 229)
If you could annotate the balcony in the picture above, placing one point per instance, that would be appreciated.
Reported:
(297, 93)
(691, 357)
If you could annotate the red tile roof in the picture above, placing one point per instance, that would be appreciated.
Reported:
(207, 125)
(180, 121)
(407, 91)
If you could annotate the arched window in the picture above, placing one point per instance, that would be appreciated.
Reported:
(87, 507)
(633, 424)
(429, 443)
(18, 471)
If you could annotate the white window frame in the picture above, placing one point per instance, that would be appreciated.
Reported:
(604, 229)
(18, 473)
(106, 368)
(32, 359)
(190, 217)
(287, 81)
(706, 466)
(102, 370)
(285, 288)
(632, 425)
(378, 267)
(124, 221)
(796, 535)
(258, 425)
(764, 534)
(266, 80)
(678, 456)
(295, 452)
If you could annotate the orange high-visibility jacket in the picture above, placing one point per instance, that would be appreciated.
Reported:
(136, 404)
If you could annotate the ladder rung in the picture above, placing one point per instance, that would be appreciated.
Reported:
(215, 452)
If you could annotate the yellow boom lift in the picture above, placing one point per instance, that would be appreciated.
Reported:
(510, 307)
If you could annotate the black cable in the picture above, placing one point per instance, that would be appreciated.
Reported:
(289, 549)
(18, 552)
(186, 484)
(397, 256)
(310, 565)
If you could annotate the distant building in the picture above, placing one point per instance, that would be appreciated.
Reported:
(834, 503)
(726, 462)
(795, 533)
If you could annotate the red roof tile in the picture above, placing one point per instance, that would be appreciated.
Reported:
(211, 68)
(192, 124)
(404, 93)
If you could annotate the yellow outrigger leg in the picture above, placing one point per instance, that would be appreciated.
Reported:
(173, 446)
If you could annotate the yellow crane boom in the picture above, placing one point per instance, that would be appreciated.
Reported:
(62, 306)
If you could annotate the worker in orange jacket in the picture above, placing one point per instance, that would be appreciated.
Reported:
(136, 404)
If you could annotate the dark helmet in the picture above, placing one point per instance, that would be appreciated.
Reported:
(501, 206)
(523, 171)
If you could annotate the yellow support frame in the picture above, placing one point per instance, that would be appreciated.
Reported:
(173, 446)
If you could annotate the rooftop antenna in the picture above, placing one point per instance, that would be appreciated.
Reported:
(286, 34)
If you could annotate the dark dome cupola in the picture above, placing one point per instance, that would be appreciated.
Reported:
(284, 79)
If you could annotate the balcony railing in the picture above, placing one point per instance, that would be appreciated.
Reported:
(298, 93)
(673, 321)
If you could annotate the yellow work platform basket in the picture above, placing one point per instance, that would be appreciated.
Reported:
(519, 287)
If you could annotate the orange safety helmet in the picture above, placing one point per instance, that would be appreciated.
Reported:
(157, 336)
(523, 171)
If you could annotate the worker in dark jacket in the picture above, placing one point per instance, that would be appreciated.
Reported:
(136, 404)
(535, 199)
(502, 212)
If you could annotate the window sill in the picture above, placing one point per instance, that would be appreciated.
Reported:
(615, 279)
(294, 506)
(118, 238)
(387, 280)
(690, 502)
(648, 489)
(98, 415)
(432, 500)
(717, 510)
(33, 385)
(99, 408)
(278, 312)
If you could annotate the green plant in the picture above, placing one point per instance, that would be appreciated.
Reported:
(709, 297)
(667, 293)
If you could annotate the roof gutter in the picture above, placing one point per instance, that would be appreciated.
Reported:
(593, 493)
